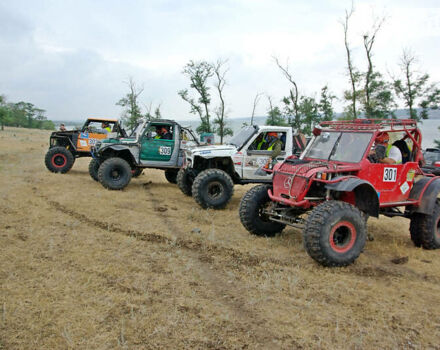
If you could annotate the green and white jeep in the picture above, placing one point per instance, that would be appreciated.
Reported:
(116, 161)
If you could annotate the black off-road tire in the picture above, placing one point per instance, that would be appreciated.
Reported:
(213, 188)
(94, 168)
(136, 172)
(184, 181)
(425, 229)
(415, 229)
(114, 173)
(171, 175)
(335, 233)
(59, 159)
(251, 215)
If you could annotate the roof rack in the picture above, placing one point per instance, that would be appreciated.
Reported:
(370, 124)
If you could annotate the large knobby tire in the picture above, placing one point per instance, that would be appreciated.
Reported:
(184, 181)
(252, 216)
(335, 233)
(213, 188)
(136, 172)
(94, 168)
(114, 173)
(59, 160)
(171, 175)
(415, 229)
(425, 229)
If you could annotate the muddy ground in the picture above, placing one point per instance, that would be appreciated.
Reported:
(82, 267)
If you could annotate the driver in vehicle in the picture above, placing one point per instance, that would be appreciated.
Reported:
(163, 133)
(106, 129)
(274, 145)
(383, 152)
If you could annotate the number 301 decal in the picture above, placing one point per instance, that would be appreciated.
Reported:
(164, 151)
(389, 174)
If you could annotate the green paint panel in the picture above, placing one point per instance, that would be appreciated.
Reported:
(157, 150)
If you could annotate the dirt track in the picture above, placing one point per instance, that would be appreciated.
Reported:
(83, 267)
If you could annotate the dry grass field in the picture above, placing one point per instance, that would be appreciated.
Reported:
(82, 267)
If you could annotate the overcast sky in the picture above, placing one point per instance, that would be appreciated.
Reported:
(72, 58)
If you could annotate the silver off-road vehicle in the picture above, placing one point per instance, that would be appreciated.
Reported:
(209, 173)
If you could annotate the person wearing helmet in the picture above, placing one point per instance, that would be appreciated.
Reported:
(275, 145)
(163, 133)
(385, 153)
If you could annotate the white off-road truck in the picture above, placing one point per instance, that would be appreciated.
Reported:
(210, 172)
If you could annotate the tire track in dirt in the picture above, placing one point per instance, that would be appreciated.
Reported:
(235, 255)
(230, 296)
(383, 270)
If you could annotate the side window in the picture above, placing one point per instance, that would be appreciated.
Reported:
(161, 132)
(186, 136)
(260, 143)
(283, 141)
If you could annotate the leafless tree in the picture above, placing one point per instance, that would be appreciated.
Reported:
(369, 39)
(352, 71)
(256, 100)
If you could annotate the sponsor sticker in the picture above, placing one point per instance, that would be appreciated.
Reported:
(92, 142)
(410, 175)
(389, 174)
(84, 135)
(83, 143)
(205, 152)
(404, 188)
(261, 161)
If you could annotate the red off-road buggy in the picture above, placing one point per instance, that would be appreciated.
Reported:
(339, 186)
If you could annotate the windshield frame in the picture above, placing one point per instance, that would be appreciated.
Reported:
(244, 135)
(339, 150)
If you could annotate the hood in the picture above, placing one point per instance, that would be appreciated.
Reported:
(292, 178)
(212, 150)
(121, 140)
(65, 133)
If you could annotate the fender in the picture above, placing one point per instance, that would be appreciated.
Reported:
(366, 198)
(426, 190)
(118, 148)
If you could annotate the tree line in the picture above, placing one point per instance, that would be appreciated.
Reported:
(23, 114)
(369, 93)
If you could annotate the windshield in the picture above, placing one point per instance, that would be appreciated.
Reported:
(344, 147)
(243, 136)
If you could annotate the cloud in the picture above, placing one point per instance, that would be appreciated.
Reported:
(72, 57)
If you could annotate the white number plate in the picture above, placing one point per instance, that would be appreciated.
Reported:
(389, 174)
(164, 151)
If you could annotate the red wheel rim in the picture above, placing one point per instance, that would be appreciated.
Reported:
(59, 160)
(342, 237)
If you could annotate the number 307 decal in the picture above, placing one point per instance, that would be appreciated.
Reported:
(389, 174)
(164, 151)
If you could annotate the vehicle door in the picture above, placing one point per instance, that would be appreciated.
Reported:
(393, 182)
(256, 155)
(154, 149)
(91, 133)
